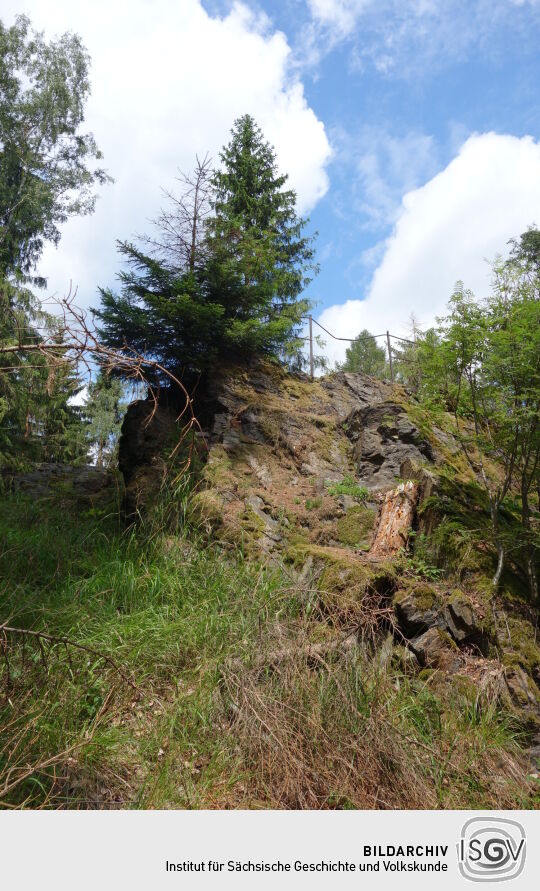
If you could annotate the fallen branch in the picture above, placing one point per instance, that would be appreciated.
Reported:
(34, 768)
(67, 642)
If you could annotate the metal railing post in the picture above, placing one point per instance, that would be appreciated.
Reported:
(390, 357)
(311, 347)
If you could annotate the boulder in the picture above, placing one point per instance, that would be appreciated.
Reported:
(459, 619)
(146, 432)
(270, 527)
(404, 659)
(416, 610)
(436, 649)
(383, 438)
(83, 481)
(522, 689)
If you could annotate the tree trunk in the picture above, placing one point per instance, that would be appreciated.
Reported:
(530, 561)
(396, 519)
(494, 511)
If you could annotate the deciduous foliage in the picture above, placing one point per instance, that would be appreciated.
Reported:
(103, 413)
(45, 176)
(483, 365)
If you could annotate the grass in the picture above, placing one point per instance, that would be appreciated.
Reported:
(193, 720)
(348, 486)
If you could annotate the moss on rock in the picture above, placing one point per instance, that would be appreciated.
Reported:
(353, 529)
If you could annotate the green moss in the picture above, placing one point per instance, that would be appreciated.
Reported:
(403, 659)
(457, 596)
(447, 640)
(426, 674)
(218, 469)
(355, 526)
(340, 576)
(343, 580)
(511, 660)
(526, 651)
(252, 524)
(424, 595)
(465, 687)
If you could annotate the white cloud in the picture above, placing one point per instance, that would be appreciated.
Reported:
(168, 80)
(80, 398)
(340, 15)
(446, 231)
(403, 37)
(387, 166)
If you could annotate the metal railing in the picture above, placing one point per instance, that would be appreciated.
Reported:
(386, 334)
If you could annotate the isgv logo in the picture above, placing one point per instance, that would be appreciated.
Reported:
(491, 849)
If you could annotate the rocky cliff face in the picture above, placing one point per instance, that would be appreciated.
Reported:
(87, 483)
(346, 483)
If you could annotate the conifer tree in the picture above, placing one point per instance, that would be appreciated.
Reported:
(47, 174)
(240, 296)
(259, 258)
(365, 355)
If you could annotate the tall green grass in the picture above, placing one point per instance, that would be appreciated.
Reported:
(189, 721)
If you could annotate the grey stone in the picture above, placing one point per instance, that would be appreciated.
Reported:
(413, 615)
(534, 755)
(434, 650)
(271, 526)
(383, 439)
(459, 620)
(83, 481)
(522, 689)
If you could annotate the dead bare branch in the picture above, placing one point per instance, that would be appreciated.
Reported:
(68, 642)
(74, 341)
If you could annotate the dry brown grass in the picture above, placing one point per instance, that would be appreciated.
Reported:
(342, 731)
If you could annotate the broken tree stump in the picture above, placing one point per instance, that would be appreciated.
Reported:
(397, 515)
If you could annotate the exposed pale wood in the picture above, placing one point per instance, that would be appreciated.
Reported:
(396, 519)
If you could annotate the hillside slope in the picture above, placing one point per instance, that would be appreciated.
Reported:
(306, 615)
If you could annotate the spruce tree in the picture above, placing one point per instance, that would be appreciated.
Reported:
(365, 355)
(241, 295)
(259, 260)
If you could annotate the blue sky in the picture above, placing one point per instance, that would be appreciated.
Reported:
(410, 129)
(474, 69)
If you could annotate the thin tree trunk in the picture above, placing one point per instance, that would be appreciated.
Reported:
(530, 561)
(494, 511)
(194, 225)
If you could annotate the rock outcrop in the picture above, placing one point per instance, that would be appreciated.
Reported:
(330, 478)
(384, 438)
(83, 481)
(147, 430)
